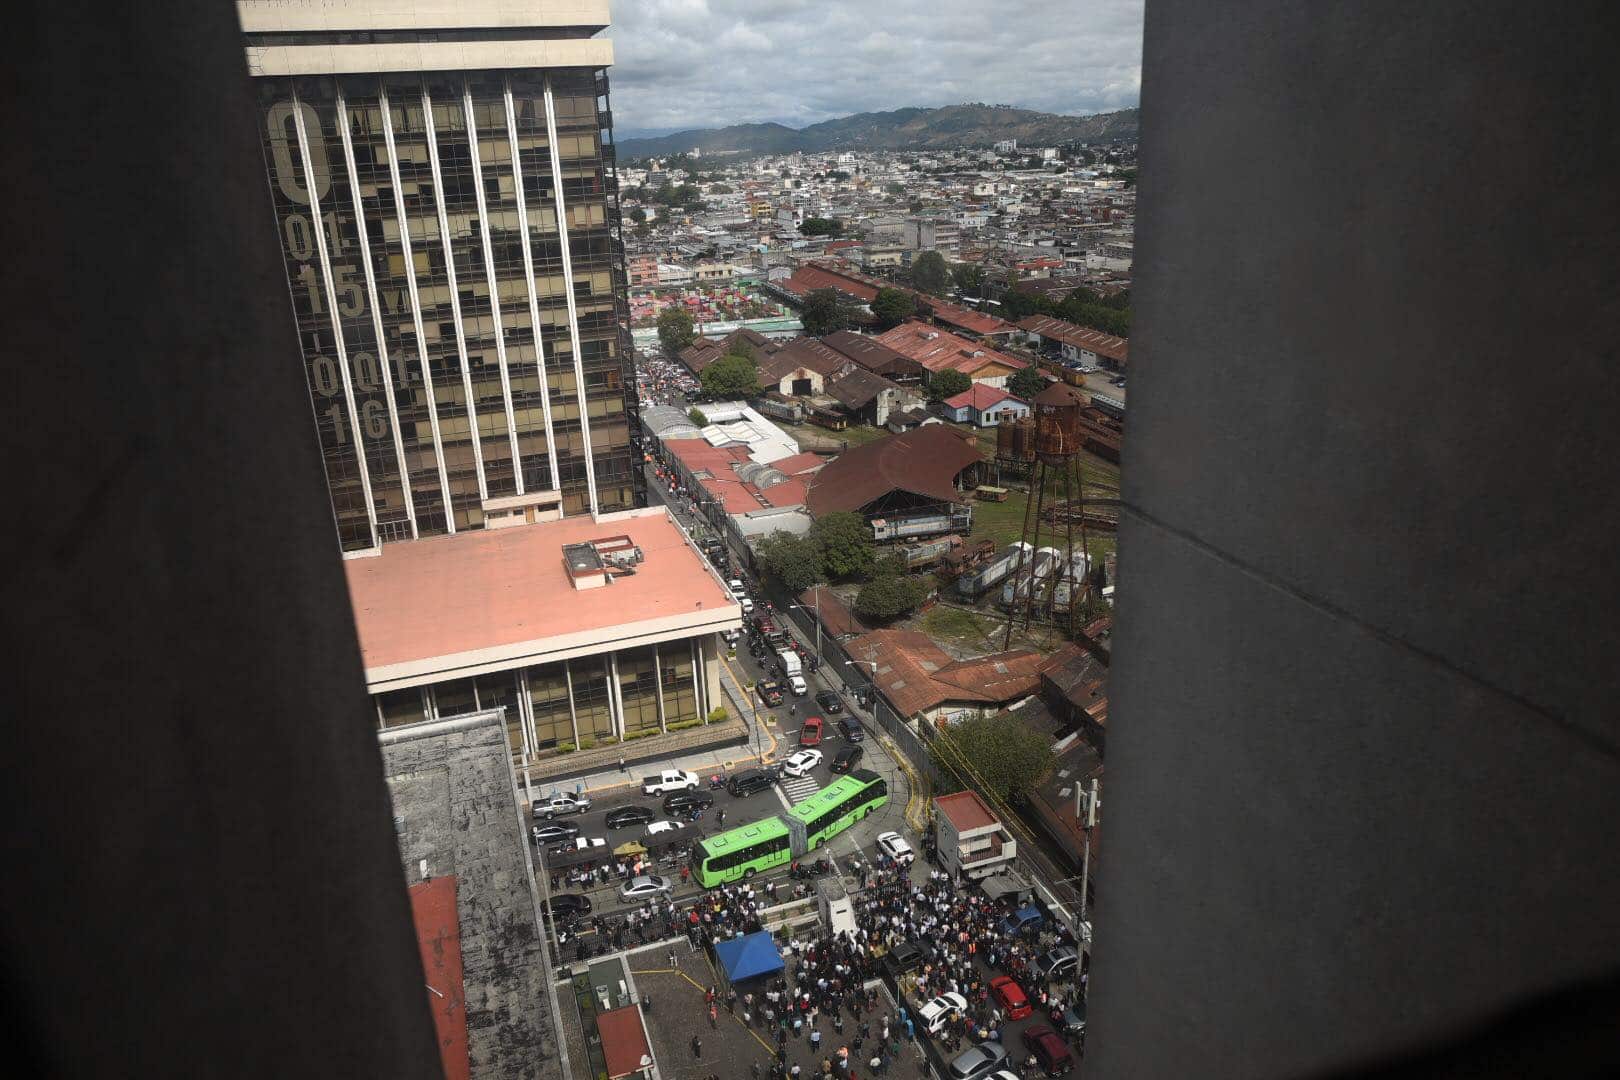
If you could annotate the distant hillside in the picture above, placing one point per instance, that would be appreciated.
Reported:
(902, 129)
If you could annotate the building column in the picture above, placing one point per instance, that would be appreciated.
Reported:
(525, 713)
(573, 714)
(698, 689)
(615, 700)
(658, 689)
(318, 228)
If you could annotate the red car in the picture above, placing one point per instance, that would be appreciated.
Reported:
(810, 734)
(1011, 996)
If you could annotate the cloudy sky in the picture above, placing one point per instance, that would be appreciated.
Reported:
(707, 63)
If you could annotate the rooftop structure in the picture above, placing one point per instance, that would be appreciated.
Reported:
(919, 679)
(940, 350)
(460, 605)
(926, 463)
(463, 848)
(1077, 341)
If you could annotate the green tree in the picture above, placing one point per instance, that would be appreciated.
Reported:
(819, 226)
(996, 752)
(638, 216)
(890, 596)
(845, 540)
(795, 561)
(894, 189)
(930, 274)
(675, 329)
(730, 377)
(947, 383)
(697, 417)
(822, 313)
(969, 278)
(892, 307)
(1026, 383)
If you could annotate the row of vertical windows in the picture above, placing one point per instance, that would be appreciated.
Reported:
(377, 396)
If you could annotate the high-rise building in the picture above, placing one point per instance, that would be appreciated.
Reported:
(447, 207)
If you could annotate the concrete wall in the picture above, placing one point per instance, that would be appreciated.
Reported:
(201, 873)
(1370, 535)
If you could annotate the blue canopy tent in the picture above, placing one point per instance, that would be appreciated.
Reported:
(749, 956)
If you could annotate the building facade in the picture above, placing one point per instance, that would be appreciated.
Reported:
(446, 203)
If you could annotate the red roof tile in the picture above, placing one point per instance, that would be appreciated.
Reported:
(924, 461)
(938, 349)
(982, 397)
(624, 1040)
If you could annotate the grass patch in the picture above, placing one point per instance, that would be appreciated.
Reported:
(968, 629)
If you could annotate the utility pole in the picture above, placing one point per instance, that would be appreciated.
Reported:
(1088, 820)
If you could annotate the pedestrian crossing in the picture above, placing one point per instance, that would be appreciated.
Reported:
(799, 788)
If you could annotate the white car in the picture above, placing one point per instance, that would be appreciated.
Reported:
(669, 780)
(797, 684)
(895, 847)
(801, 763)
(580, 843)
(564, 802)
(647, 885)
(664, 826)
(936, 1012)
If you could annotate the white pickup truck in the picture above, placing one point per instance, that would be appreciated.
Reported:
(669, 780)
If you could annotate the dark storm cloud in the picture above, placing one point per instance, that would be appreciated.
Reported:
(708, 63)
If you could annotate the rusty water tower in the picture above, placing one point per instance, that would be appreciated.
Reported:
(1052, 439)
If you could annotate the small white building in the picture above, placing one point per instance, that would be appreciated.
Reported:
(973, 843)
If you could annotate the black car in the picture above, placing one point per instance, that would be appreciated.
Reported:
(681, 802)
(903, 957)
(565, 905)
(748, 783)
(850, 728)
(847, 759)
(626, 816)
(829, 702)
(553, 831)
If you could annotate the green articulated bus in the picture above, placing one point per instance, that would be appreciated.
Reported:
(761, 845)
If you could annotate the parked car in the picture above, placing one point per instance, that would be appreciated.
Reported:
(1074, 1020)
(744, 784)
(643, 887)
(555, 830)
(905, 956)
(669, 780)
(801, 763)
(567, 905)
(658, 828)
(684, 802)
(977, 1061)
(1013, 1001)
(1025, 918)
(770, 691)
(847, 759)
(810, 733)
(829, 703)
(564, 802)
(936, 1012)
(626, 816)
(850, 728)
(1059, 963)
(578, 844)
(895, 847)
(1050, 1049)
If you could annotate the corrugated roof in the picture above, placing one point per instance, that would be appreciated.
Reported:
(924, 461)
(981, 397)
(937, 349)
(1081, 337)
(624, 1041)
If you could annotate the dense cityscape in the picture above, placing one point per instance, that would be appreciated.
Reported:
(750, 519)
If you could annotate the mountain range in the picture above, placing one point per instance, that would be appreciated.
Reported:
(901, 129)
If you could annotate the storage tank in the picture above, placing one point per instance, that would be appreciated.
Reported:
(1024, 439)
(1058, 432)
(1004, 440)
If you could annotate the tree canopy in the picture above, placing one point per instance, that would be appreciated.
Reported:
(820, 226)
(822, 313)
(675, 329)
(892, 307)
(948, 383)
(795, 561)
(696, 416)
(929, 273)
(996, 752)
(845, 540)
(1026, 383)
(730, 377)
(1081, 307)
(890, 595)
(969, 278)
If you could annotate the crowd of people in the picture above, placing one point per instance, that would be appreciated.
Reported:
(663, 382)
